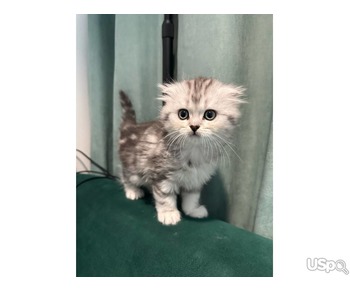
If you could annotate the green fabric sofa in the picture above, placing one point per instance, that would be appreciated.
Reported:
(119, 237)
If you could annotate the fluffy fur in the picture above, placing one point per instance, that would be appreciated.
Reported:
(175, 155)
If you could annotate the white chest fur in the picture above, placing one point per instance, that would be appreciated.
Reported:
(193, 177)
(196, 169)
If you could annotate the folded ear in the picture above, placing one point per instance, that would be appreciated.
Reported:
(162, 87)
(165, 90)
(163, 98)
(235, 93)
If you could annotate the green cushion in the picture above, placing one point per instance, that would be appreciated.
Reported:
(120, 237)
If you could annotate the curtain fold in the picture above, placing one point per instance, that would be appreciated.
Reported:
(125, 53)
(101, 41)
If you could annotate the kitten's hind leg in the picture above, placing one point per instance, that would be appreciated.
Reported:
(165, 200)
(132, 192)
(191, 206)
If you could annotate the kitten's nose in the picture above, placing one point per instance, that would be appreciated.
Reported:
(194, 128)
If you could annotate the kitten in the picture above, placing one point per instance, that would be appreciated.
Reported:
(179, 152)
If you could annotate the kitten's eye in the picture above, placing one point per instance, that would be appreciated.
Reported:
(210, 115)
(183, 114)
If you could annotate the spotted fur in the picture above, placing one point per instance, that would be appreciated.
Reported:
(167, 155)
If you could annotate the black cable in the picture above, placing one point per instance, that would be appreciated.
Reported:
(94, 162)
(104, 174)
(90, 179)
(81, 162)
(91, 172)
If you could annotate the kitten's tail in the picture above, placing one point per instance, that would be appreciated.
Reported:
(128, 116)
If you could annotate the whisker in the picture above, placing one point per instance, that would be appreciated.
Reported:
(169, 134)
(227, 143)
(222, 150)
(208, 148)
(214, 147)
(181, 143)
(172, 140)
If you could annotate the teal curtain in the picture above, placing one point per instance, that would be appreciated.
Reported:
(125, 52)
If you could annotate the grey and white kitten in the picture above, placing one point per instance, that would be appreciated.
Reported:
(178, 153)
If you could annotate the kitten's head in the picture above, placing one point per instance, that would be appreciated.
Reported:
(201, 107)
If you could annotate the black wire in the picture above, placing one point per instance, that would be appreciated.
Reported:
(94, 162)
(90, 171)
(90, 179)
(82, 163)
(104, 174)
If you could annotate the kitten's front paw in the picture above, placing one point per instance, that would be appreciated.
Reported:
(134, 194)
(199, 212)
(169, 217)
